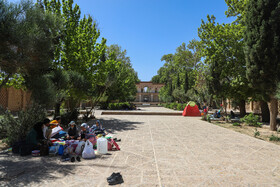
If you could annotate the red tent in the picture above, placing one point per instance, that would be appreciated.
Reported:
(191, 109)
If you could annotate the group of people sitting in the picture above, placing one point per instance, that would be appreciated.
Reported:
(217, 114)
(41, 133)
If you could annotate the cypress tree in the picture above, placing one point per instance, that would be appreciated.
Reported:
(186, 83)
(178, 84)
(262, 40)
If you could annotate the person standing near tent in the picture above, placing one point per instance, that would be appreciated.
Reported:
(205, 109)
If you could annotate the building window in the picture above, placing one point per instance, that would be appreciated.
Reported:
(146, 89)
(156, 90)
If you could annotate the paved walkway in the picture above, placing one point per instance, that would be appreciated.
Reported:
(159, 151)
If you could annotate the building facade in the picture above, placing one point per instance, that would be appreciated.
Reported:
(148, 92)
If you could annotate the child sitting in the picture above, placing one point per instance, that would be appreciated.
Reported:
(84, 131)
(97, 129)
(72, 131)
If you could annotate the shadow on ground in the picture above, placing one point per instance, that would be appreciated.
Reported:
(113, 125)
(16, 170)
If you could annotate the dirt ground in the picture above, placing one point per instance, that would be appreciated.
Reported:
(265, 132)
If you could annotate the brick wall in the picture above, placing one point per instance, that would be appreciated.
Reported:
(14, 99)
(252, 106)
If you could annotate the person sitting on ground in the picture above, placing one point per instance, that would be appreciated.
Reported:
(72, 131)
(46, 130)
(35, 136)
(232, 115)
(97, 128)
(215, 115)
(84, 132)
(56, 122)
(219, 114)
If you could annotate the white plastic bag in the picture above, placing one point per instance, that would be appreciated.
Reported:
(88, 150)
(79, 148)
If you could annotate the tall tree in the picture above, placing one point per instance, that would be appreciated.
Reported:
(176, 73)
(124, 78)
(237, 9)
(223, 52)
(27, 44)
(262, 39)
(79, 51)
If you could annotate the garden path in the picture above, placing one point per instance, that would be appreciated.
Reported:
(158, 151)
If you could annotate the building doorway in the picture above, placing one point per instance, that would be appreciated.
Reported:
(146, 98)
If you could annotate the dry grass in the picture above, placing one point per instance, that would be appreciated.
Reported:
(265, 132)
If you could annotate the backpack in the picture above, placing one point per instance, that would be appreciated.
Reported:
(44, 149)
(16, 147)
(26, 149)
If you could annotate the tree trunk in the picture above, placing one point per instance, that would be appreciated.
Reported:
(242, 108)
(265, 111)
(57, 110)
(214, 104)
(273, 110)
(225, 105)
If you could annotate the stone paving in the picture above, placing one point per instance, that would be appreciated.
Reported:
(158, 151)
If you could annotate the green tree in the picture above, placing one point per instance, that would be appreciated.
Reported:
(237, 9)
(262, 39)
(27, 47)
(223, 52)
(123, 84)
(177, 72)
(78, 51)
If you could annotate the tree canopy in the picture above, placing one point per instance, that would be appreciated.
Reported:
(262, 40)
(50, 49)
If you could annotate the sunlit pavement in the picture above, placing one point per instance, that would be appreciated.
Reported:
(158, 151)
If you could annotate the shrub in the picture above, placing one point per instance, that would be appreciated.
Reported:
(208, 118)
(227, 118)
(2, 130)
(16, 128)
(167, 105)
(104, 105)
(274, 138)
(204, 118)
(236, 124)
(256, 133)
(181, 106)
(121, 106)
(251, 120)
(111, 106)
(173, 105)
(125, 106)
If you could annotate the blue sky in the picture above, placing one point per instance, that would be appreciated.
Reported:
(149, 29)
